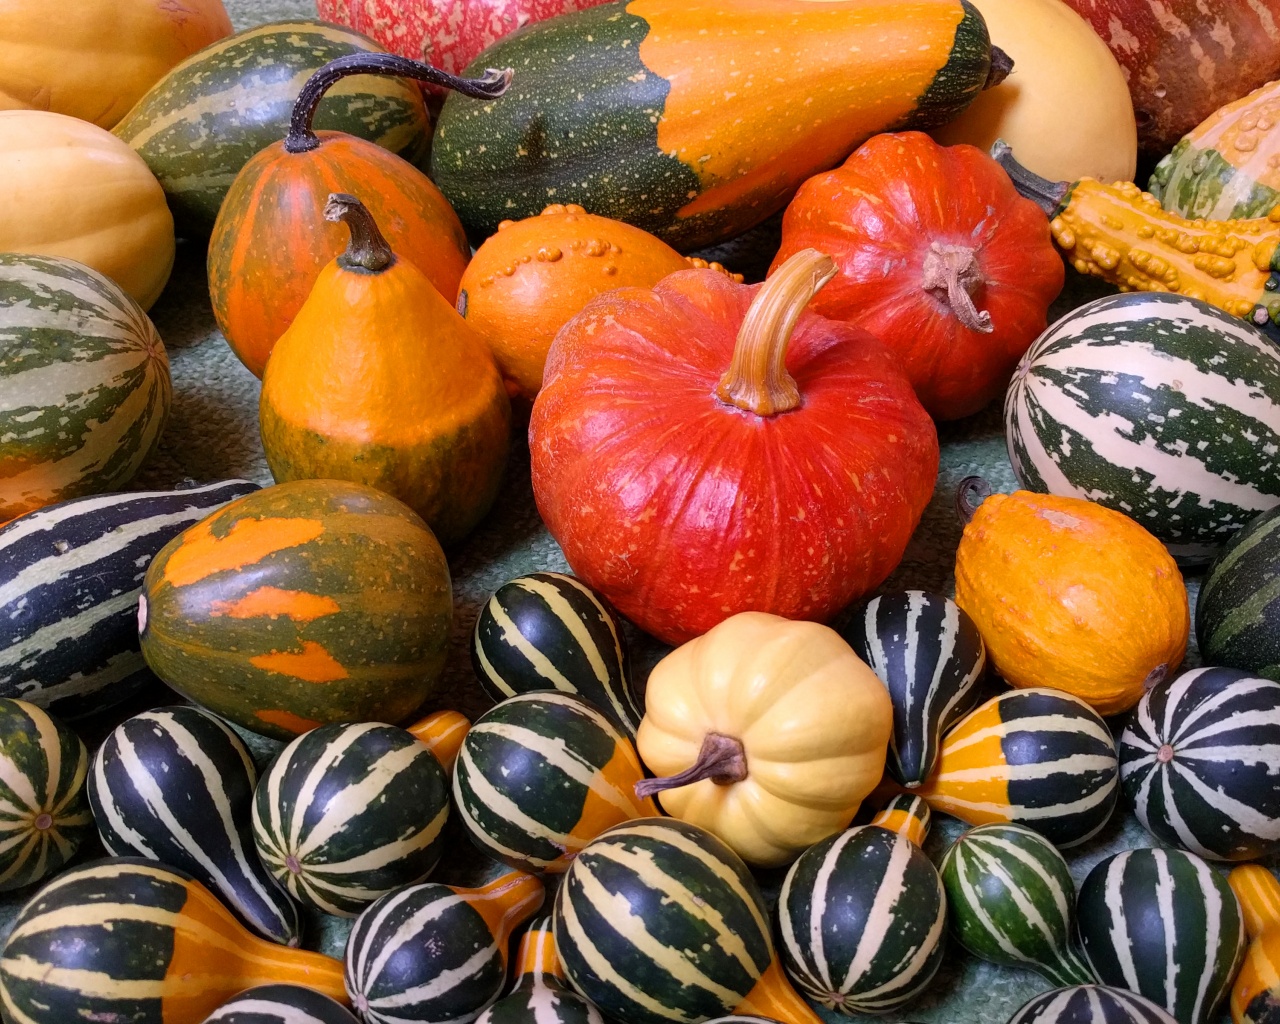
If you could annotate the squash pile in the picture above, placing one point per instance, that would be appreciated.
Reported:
(766, 821)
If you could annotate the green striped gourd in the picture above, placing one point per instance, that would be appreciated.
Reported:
(280, 1004)
(1090, 1004)
(908, 816)
(176, 785)
(348, 813)
(550, 631)
(1238, 610)
(299, 605)
(541, 994)
(542, 774)
(862, 918)
(436, 954)
(200, 124)
(1164, 924)
(930, 656)
(1012, 901)
(84, 383)
(44, 812)
(133, 940)
(1155, 405)
(696, 942)
(72, 573)
(1198, 763)
(1035, 757)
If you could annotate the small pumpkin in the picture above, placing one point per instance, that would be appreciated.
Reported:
(1071, 595)
(378, 381)
(769, 734)
(1255, 996)
(705, 448)
(939, 258)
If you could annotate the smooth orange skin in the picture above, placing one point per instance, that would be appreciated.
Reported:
(1070, 595)
(270, 241)
(1259, 894)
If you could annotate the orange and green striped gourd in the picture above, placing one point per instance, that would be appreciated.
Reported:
(907, 815)
(1255, 996)
(541, 994)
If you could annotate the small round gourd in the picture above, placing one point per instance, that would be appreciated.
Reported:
(281, 1004)
(862, 918)
(1090, 1004)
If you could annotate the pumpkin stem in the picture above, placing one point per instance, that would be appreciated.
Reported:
(952, 275)
(722, 759)
(1050, 196)
(1001, 66)
(757, 379)
(367, 250)
(971, 487)
(301, 138)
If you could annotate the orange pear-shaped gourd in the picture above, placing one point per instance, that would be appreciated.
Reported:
(1255, 996)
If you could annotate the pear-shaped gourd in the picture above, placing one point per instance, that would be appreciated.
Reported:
(541, 994)
(379, 381)
(1255, 996)
(281, 1004)
(176, 785)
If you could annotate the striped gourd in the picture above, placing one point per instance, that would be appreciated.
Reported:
(44, 812)
(436, 954)
(1198, 763)
(71, 577)
(1155, 405)
(550, 631)
(1238, 610)
(281, 1004)
(931, 657)
(199, 125)
(176, 785)
(348, 813)
(84, 383)
(1036, 757)
(541, 994)
(1012, 901)
(862, 919)
(133, 940)
(695, 943)
(541, 775)
(1255, 996)
(1090, 1004)
(907, 815)
(1164, 924)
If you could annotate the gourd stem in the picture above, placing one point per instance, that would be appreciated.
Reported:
(722, 759)
(1001, 66)
(952, 275)
(757, 380)
(971, 487)
(367, 250)
(301, 138)
(1050, 196)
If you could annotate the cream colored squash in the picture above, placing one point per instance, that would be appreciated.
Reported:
(73, 189)
(1065, 109)
(93, 59)
(768, 732)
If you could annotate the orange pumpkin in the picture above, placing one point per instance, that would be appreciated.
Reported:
(268, 244)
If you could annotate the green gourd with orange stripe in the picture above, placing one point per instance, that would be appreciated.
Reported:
(695, 119)
(299, 605)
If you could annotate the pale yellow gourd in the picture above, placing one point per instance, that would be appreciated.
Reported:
(766, 732)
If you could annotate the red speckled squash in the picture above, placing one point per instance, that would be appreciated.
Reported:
(689, 476)
(939, 258)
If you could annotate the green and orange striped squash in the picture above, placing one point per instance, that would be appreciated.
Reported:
(307, 603)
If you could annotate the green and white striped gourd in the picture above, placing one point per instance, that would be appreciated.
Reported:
(44, 812)
(862, 919)
(931, 657)
(907, 815)
(1090, 1004)
(1238, 610)
(1164, 924)
(541, 993)
(84, 383)
(176, 785)
(281, 1004)
(436, 954)
(1155, 405)
(348, 813)
(1012, 901)
(542, 774)
(550, 631)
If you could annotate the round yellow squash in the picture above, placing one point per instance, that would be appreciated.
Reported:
(73, 189)
(768, 733)
(1065, 109)
(1070, 595)
(95, 58)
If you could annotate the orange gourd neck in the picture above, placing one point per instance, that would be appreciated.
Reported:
(537, 962)
(504, 903)
(774, 997)
(1258, 891)
(442, 733)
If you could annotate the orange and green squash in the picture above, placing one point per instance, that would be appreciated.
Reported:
(1255, 996)
(380, 382)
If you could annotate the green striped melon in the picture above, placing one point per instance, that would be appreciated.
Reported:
(1238, 610)
(199, 125)
(1155, 405)
(1090, 1004)
(84, 383)
(1012, 901)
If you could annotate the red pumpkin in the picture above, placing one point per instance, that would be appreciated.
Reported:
(939, 258)
(689, 476)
